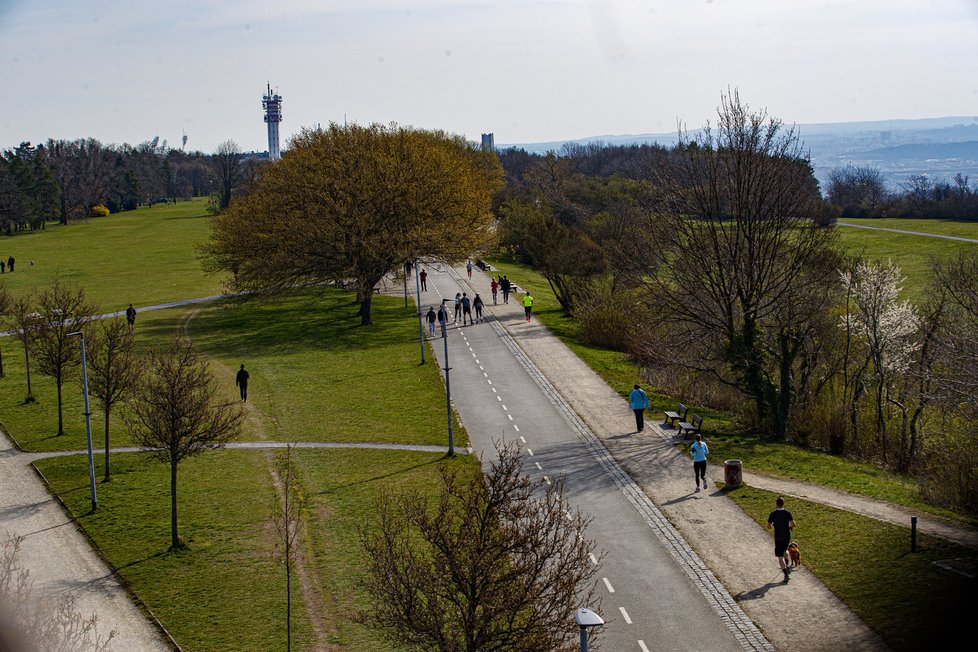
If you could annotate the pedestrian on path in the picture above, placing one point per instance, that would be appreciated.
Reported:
(468, 268)
(494, 287)
(10, 263)
(638, 400)
(466, 308)
(477, 304)
(527, 304)
(699, 451)
(3, 266)
(443, 316)
(431, 320)
(504, 284)
(424, 280)
(458, 307)
(131, 318)
(783, 523)
(241, 380)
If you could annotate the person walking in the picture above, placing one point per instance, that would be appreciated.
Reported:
(504, 284)
(424, 280)
(10, 263)
(241, 380)
(495, 288)
(458, 307)
(468, 268)
(3, 266)
(699, 450)
(466, 308)
(131, 318)
(638, 400)
(443, 316)
(431, 320)
(477, 304)
(783, 523)
(527, 304)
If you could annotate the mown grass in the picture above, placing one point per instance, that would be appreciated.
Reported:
(913, 253)
(903, 596)
(316, 374)
(225, 590)
(143, 257)
(342, 488)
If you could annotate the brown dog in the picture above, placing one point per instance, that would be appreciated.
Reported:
(795, 554)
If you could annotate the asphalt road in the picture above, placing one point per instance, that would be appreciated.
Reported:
(647, 599)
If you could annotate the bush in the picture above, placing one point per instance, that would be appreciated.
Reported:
(99, 210)
(950, 473)
(606, 316)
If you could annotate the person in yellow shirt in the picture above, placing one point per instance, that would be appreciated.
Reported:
(527, 304)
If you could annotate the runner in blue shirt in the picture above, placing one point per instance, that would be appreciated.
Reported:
(699, 450)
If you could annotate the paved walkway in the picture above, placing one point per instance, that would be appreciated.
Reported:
(803, 615)
(60, 559)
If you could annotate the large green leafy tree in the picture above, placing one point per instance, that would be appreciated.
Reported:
(351, 203)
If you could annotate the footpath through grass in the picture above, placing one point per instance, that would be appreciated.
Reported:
(143, 257)
(226, 589)
(905, 597)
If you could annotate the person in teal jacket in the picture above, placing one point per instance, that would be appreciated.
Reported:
(638, 401)
(699, 450)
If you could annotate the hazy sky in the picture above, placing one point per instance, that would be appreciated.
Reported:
(528, 70)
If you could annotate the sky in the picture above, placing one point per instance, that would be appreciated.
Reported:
(527, 70)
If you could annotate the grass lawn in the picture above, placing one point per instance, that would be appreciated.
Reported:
(903, 596)
(141, 257)
(912, 253)
(316, 374)
(225, 590)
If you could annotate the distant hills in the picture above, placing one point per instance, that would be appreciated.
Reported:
(937, 147)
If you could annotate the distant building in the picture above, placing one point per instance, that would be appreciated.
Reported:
(488, 142)
(272, 103)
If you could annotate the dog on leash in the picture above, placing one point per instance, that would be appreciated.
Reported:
(795, 555)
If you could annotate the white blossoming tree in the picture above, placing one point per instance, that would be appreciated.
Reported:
(888, 327)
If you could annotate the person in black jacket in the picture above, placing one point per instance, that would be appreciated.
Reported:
(241, 380)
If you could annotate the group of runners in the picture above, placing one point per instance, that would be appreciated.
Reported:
(464, 305)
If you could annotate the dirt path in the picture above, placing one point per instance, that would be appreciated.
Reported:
(901, 231)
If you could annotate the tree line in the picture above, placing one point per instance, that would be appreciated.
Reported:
(64, 180)
(713, 264)
(859, 191)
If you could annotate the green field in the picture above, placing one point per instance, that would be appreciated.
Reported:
(142, 257)
(903, 596)
(913, 253)
(226, 589)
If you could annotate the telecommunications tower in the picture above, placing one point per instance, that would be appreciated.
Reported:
(273, 115)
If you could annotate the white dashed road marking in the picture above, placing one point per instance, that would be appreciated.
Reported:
(538, 466)
(641, 645)
(530, 451)
(624, 614)
(522, 438)
(607, 584)
(594, 560)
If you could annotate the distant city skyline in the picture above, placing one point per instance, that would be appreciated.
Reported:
(525, 70)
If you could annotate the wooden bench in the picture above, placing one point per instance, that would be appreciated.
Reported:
(483, 265)
(679, 415)
(692, 427)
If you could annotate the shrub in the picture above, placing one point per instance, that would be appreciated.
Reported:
(99, 210)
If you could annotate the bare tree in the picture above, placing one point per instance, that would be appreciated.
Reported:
(494, 563)
(748, 277)
(63, 310)
(112, 368)
(28, 621)
(231, 172)
(175, 412)
(24, 318)
(288, 522)
(857, 191)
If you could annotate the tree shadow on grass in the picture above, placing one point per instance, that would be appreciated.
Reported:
(376, 478)
(306, 320)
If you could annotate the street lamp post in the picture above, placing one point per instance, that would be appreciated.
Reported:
(586, 619)
(448, 389)
(88, 421)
